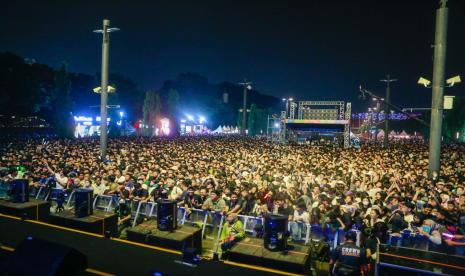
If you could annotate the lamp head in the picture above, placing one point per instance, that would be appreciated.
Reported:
(424, 82)
(453, 80)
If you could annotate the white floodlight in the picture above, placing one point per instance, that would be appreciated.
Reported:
(110, 89)
(453, 80)
(424, 82)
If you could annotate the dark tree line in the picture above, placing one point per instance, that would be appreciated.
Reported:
(56, 94)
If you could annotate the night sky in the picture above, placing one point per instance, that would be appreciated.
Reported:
(311, 50)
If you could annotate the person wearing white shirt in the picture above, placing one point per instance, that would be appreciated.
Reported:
(300, 218)
(61, 179)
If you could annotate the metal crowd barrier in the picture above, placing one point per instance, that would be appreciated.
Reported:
(211, 223)
(3, 189)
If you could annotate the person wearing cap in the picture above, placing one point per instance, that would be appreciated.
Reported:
(348, 258)
(123, 211)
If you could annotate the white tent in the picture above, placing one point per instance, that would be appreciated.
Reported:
(218, 130)
(403, 134)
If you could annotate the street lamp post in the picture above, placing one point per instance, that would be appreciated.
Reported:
(376, 111)
(388, 81)
(104, 86)
(438, 88)
(247, 86)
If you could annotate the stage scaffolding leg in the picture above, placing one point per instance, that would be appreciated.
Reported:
(347, 126)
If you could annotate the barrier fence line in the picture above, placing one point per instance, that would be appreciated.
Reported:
(200, 217)
(410, 269)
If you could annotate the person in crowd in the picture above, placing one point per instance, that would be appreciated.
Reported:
(192, 200)
(386, 189)
(215, 203)
(348, 258)
(300, 219)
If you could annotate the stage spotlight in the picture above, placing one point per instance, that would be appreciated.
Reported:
(275, 237)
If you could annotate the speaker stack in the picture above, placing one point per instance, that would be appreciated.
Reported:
(275, 236)
(83, 203)
(167, 215)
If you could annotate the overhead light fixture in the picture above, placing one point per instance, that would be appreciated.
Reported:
(453, 80)
(424, 82)
(110, 89)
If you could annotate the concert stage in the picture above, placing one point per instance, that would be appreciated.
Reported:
(184, 236)
(33, 209)
(116, 256)
(251, 251)
(98, 223)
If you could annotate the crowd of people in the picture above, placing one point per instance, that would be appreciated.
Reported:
(373, 189)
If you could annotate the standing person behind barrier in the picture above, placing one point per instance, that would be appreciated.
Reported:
(214, 203)
(348, 258)
(123, 211)
(234, 204)
(300, 218)
(233, 231)
(192, 200)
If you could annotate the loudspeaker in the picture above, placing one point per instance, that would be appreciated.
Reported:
(39, 257)
(83, 203)
(167, 215)
(19, 191)
(275, 236)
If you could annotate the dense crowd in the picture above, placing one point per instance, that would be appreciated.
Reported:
(373, 189)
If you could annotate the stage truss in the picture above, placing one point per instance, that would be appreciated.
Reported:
(317, 113)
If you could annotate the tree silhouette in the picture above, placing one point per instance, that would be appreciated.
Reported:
(62, 104)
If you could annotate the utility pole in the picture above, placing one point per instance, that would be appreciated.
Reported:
(247, 86)
(104, 86)
(439, 65)
(377, 119)
(387, 101)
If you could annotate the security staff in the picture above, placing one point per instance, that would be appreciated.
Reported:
(348, 258)
(233, 232)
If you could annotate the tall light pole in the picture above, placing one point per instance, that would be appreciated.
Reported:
(104, 85)
(247, 86)
(376, 111)
(439, 65)
(388, 81)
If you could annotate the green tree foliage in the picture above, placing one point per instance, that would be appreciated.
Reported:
(173, 103)
(62, 104)
(257, 120)
(151, 112)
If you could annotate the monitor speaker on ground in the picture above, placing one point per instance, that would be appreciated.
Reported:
(39, 257)
(19, 191)
(275, 236)
(83, 203)
(167, 215)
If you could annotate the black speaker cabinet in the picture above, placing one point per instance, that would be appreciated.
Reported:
(19, 191)
(275, 236)
(167, 215)
(83, 203)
